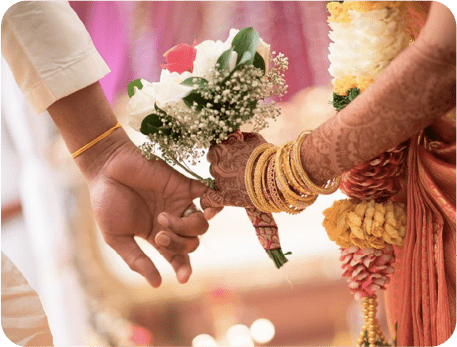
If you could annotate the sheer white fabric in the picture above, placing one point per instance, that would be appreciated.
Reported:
(29, 327)
(51, 55)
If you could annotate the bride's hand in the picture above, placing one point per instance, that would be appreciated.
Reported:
(228, 163)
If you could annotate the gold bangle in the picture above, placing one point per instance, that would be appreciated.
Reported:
(328, 188)
(271, 184)
(259, 169)
(293, 203)
(248, 179)
(292, 197)
(265, 184)
(271, 181)
(290, 174)
(94, 141)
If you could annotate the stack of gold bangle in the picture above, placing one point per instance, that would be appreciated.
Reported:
(276, 181)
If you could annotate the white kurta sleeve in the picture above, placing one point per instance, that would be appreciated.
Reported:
(49, 51)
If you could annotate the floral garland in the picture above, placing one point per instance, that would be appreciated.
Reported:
(367, 36)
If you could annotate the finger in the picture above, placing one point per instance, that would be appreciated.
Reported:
(182, 267)
(253, 137)
(175, 243)
(180, 263)
(197, 189)
(193, 224)
(211, 199)
(210, 212)
(237, 135)
(135, 258)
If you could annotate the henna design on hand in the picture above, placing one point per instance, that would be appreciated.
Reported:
(228, 163)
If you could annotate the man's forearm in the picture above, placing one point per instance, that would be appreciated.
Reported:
(82, 117)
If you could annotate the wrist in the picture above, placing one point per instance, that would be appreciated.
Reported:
(82, 117)
(92, 161)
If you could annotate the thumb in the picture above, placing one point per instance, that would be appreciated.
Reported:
(210, 212)
(198, 189)
(211, 198)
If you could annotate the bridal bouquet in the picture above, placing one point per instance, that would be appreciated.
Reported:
(206, 92)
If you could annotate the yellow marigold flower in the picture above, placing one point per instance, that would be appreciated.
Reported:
(365, 224)
(343, 84)
(335, 222)
(364, 82)
(365, 6)
(338, 13)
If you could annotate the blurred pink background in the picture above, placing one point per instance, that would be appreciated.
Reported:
(132, 36)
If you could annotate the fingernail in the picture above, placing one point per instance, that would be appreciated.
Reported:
(182, 275)
(163, 220)
(163, 240)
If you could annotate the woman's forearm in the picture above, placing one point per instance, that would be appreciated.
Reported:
(413, 91)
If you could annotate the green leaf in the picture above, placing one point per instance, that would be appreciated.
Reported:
(246, 40)
(130, 87)
(224, 59)
(341, 101)
(151, 124)
(259, 62)
(158, 109)
(191, 81)
(194, 96)
(247, 57)
(165, 130)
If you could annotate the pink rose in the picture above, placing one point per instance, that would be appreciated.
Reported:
(180, 58)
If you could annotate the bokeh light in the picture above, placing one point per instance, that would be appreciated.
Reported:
(204, 340)
(262, 330)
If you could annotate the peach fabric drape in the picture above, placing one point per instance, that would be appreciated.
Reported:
(421, 298)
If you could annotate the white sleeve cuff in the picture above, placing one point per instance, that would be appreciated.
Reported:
(49, 51)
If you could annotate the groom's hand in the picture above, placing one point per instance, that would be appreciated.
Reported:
(131, 196)
(135, 197)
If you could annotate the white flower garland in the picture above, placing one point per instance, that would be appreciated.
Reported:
(364, 41)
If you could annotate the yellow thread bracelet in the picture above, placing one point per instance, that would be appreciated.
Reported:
(94, 141)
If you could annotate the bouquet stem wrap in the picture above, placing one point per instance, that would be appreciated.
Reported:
(267, 233)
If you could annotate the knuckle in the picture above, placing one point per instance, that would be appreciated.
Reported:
(194, 245)
(202, 226)
(213, 171)
(135, 264)
(204, 202)
(178, 245)
(180, 259)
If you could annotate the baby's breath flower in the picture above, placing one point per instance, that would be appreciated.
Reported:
(231, 99)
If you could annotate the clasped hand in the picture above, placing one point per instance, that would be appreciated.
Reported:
(129, 195)
(134, 197)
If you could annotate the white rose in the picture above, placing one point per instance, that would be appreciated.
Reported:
(168, 91)
(232, 34)
(264, 50)
(141, 104)
(208, 52)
